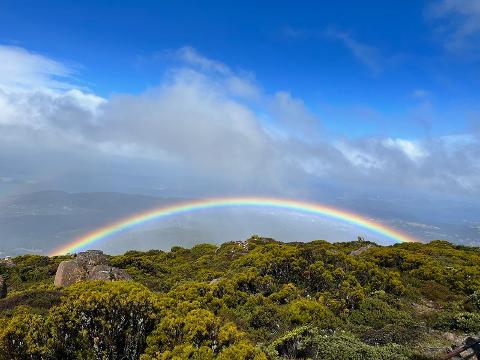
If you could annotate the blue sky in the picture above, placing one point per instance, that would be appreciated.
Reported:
(372, 106)
(371, 67)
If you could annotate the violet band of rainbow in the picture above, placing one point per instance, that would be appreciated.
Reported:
(184, 207)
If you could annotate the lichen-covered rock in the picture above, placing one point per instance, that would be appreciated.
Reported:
(91, 258)
(69, 272)
(3, 287)
(8, 262)
(360, 250)
(88, 265)
(105, 272)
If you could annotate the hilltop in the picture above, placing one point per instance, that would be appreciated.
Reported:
(255, 299)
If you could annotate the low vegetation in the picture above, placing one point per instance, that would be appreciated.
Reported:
(259, 299)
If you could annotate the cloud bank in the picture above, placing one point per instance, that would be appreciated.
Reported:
(205, 130)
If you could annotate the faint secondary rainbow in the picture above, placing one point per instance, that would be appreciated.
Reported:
(184, 207)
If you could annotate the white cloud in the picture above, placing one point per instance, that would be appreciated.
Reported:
(48, 109)
(198, 133)
(360, 158)
(458, 21)
(292, 117)
(411, 149)
(242, 85)
(21, 69)
(191, 56)
(366, 54)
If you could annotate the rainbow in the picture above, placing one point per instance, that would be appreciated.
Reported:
(184, 207)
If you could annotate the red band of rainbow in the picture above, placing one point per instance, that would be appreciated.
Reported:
(184, 207)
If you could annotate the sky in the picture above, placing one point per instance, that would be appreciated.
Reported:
(305, 99)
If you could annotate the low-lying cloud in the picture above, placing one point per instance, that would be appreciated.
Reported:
(204, 130)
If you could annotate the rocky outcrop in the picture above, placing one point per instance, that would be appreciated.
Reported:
(3, 287)
(105, 272)
(7, 261)
(88, 265)
(360, 250)
(69, 272)
(91, 258)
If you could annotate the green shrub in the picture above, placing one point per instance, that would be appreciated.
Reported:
(37, 300)
(309, 343)
(473, 300)
(103, 320)
(465, 321)
(294, 300)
